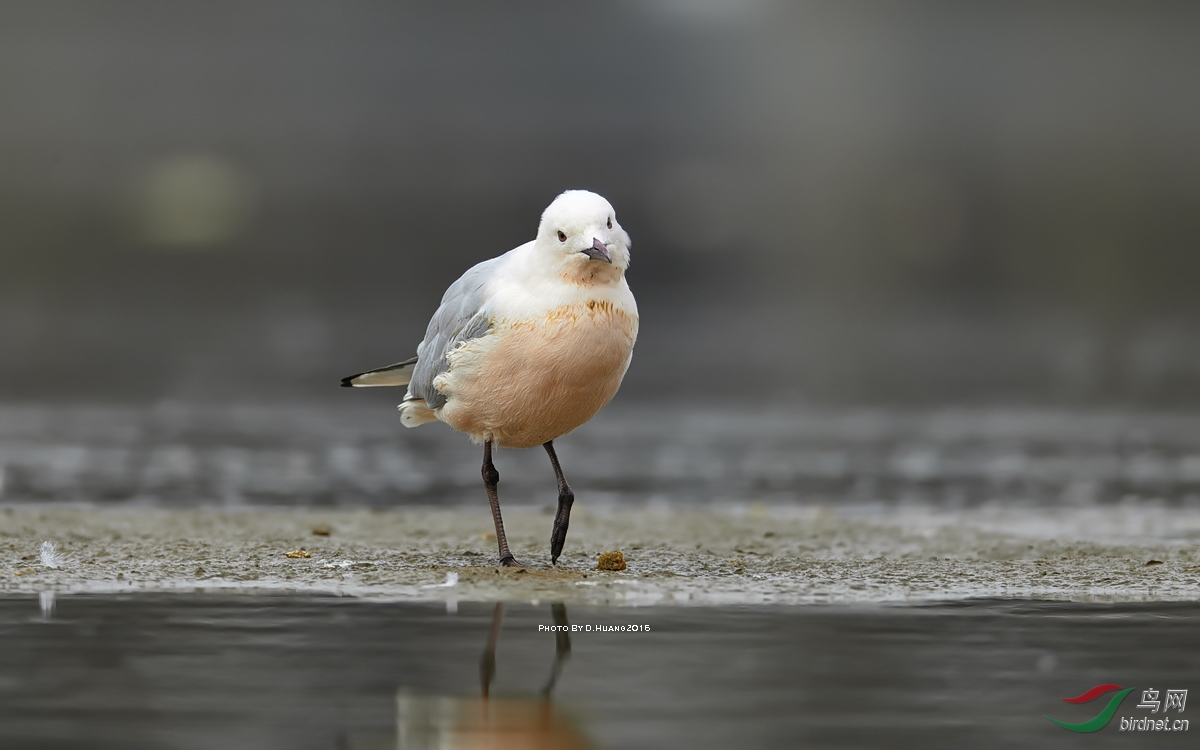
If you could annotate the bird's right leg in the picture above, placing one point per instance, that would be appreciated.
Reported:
(566, 498)
(491, 478)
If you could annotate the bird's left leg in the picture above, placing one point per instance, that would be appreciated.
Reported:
(491, 478)
(565, 499)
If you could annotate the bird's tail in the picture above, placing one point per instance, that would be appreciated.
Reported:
(415, 412)
(397, 374)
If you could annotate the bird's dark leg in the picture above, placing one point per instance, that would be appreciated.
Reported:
(490, 478)
(565, 499)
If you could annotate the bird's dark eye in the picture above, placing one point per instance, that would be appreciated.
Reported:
(562, 237)
(610, 222)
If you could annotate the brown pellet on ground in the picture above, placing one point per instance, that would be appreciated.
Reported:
(299, 553)
(611, 561)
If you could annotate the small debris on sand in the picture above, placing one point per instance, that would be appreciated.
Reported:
(49, 555)
(1154, 562)
(322, 529)
(299, 553)
(451, 580)
(611, 561)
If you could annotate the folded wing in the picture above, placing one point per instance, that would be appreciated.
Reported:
(462, 316)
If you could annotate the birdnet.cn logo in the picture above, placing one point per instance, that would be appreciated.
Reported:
(1156, 704)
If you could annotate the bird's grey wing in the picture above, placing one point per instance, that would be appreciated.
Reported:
(461, 317)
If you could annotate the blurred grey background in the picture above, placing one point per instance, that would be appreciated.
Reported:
(830, 201)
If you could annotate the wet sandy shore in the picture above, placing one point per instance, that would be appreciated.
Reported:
(729, 554)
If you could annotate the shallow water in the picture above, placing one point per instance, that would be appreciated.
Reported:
(159, 671)
(825, 505)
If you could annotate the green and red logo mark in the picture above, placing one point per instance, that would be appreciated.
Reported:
(1175, 699)
(1099, 720)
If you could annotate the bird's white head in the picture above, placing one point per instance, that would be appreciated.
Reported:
(580, 229)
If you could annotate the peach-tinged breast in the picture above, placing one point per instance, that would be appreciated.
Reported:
(531, 381)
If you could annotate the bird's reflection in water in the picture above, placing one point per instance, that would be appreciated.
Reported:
(490, 722)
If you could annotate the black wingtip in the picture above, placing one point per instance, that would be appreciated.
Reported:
(348, 382)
